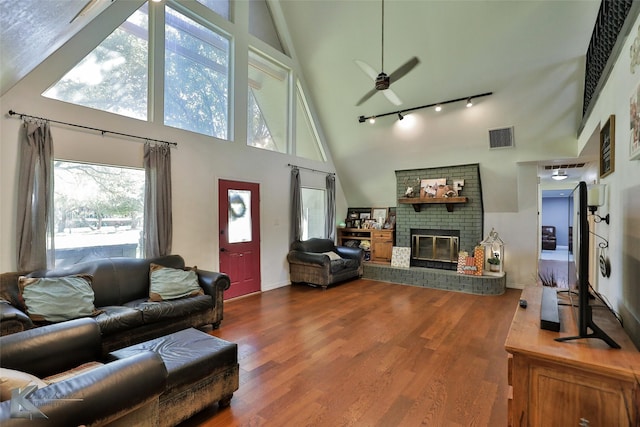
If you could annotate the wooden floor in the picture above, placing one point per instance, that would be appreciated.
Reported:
(367, 353)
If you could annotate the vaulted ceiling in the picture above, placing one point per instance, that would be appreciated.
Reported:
(530, 54)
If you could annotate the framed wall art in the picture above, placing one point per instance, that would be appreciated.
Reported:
(607, 146)
(378, 213)
(634, 116)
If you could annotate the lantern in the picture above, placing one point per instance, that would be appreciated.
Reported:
(493, 254)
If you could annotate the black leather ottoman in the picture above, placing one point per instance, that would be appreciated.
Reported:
(202, 370)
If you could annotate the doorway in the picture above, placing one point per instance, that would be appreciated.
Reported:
(239, 236)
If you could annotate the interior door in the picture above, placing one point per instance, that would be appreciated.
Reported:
(239, 239)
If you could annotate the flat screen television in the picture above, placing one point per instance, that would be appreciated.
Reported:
(579, 254)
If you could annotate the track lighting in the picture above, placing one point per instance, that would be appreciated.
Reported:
(437, 105)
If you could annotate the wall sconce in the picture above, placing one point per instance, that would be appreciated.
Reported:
(595, 199)
(559, 175)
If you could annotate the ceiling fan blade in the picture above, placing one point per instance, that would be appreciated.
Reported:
(392, 97)
(368, 69)
(366, 96)
(404, 69)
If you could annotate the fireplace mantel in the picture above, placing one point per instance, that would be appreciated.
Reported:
(417, 202)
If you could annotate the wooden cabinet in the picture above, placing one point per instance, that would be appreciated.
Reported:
(381, 245)
(380, 242)
(575, 383)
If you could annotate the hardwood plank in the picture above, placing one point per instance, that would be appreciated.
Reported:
(367, 353)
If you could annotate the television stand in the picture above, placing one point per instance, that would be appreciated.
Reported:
(554, 383)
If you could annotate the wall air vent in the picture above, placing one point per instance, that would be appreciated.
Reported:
(565, 166)
(501, 138)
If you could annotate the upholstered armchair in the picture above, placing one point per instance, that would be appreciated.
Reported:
(549, 237)
(319, 262)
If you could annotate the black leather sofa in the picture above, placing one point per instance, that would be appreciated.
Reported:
(124, 391)
(310, 262)
(121, 288)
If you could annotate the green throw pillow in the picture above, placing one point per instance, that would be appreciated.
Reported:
(56, 299)
(172, 283)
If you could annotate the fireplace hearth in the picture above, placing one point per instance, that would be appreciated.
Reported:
(433, 248)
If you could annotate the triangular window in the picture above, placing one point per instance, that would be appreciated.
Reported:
(267, 116)
(114, 76)
(307, 141)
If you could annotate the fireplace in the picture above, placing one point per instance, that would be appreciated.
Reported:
(433, 248)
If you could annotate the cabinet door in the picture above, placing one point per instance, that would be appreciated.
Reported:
(562, 396)
(381, 246)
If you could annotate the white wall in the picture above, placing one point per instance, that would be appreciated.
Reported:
(197, 163)
(623, 188)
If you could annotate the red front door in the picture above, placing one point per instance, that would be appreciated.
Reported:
(239, 215)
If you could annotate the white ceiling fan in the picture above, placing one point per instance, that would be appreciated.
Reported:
(382, 80)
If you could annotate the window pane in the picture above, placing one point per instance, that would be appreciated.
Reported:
(113, 77)
(99, 212)
(307, 141)
(313, 213)
(196, 90)
(221, 7)
(239, 216)
(268, 112)
(261, 24)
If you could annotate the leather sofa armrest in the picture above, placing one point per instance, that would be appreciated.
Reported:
(12, 319)
(103, 394)
(351, 253)
(300, 257)
(52, 349)
(212, 280)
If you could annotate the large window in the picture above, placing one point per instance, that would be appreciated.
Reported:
(113, 77)
(267, 121)
(313, 213)
(98, 212)
(196, 85)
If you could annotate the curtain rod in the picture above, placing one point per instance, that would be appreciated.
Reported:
(102, 131)
(309, 169)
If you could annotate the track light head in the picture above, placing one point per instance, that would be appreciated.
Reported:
(372, 119)
(438, 108)
(361, 119)
(469, 103)
(400, 116)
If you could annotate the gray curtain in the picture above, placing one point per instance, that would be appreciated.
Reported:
(158, 228)
(35, 197)
(296, 205)
(330, 224)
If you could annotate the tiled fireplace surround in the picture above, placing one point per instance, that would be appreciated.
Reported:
(468, 218)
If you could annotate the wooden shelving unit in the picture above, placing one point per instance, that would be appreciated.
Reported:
(417, 202)
(381, 241)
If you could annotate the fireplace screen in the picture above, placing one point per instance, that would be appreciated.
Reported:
(435, 248)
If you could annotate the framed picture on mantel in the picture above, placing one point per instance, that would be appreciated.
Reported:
(607, 147)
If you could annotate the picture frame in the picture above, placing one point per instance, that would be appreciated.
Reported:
(634, 116)
(607, 147)
(365, 215)
(377, 213)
